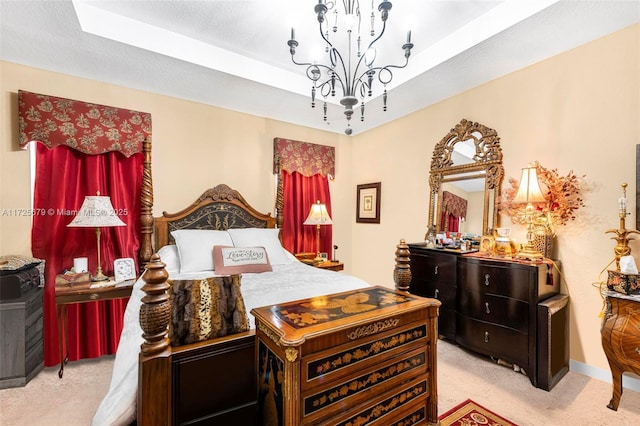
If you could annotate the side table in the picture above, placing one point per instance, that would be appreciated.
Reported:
(620, 334)
(82, 294)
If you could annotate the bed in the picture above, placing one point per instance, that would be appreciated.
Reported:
(211, 381)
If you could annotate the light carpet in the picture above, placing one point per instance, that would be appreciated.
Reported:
(575, 400)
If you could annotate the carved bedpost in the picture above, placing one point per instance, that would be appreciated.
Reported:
(146, 210)
(402, 270)
(155, 311)
(279, 197)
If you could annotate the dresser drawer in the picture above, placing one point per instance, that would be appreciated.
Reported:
(334, 364)
(494, 340)
(445, 293)
(485, 278)
(434, 267)
(404, 405)
(511, 313)
(388, 373)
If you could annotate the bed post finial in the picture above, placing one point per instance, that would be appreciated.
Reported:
(155, 311)
(402, 270)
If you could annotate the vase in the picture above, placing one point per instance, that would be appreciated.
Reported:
(543, 237)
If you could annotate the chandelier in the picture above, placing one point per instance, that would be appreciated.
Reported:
(355, 71)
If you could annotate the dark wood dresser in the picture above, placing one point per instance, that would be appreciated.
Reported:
(497, 309)
(366, 356)
(508, 310)
(434, 275)
(621, 339)
(21, 334)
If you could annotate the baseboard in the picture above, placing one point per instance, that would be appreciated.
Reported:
(631, 382)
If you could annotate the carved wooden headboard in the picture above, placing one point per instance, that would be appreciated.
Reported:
(218, 208)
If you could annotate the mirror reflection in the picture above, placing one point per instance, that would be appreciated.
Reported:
(465, 178)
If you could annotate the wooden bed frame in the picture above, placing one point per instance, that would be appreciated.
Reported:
(174, 383)
(171, 389)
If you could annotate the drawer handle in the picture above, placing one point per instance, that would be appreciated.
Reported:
(435, 293)
(486, 337)
(486, 307)
(93, 296)
(436, 270)
(638, 350)
(486, 279)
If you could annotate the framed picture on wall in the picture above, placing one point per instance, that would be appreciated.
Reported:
(368, 203)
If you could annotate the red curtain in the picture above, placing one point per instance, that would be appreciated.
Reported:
(64, 177)
(300, 192)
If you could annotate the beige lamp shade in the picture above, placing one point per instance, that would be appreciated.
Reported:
(529, 189)
(96, 211)
(318, 215)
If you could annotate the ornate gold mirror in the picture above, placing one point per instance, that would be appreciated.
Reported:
(465, 179)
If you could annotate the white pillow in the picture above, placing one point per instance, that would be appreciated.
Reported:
(169, 256)
(195, 247)
(261, 237)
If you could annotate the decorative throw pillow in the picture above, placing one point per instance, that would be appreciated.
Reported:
(238, 260)
(11, 264)
(261, 237)
(206, 308)
(195, 247)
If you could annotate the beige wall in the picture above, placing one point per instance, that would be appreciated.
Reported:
(577, 111)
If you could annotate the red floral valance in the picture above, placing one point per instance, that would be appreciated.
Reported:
(453, 204)
(86, 127)
(305, 158)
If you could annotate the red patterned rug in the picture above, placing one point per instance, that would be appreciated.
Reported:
(469, 413)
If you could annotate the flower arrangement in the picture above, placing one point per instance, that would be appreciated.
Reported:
(562, 195)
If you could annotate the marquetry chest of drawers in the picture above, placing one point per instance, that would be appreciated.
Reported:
(621, 339)
(364, 356)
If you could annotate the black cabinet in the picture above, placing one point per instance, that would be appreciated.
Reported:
(499, 308)
(433, 274)
(21, 334)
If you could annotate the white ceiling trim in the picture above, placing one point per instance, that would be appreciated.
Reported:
(496, 20)
(113, 26)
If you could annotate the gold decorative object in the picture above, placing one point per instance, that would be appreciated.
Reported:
(529, 193)
(622, 235)
(562, 198)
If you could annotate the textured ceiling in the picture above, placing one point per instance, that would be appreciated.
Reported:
(234, 54)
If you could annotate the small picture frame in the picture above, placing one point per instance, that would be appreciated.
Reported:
(324, 256)
(368, 203)
(124, 269)
(487, 245)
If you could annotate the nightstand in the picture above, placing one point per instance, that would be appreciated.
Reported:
(82, 293)
(330, 265)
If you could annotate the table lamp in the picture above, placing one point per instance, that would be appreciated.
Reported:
(96, 212)
(318, 216)
(529, 192)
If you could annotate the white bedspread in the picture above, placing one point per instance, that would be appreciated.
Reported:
(287, 282)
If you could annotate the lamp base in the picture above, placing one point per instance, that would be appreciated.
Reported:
(529, 252)
(99, 276)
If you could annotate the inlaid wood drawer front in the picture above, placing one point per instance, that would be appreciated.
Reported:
(511, 313)
(348, 392)
(398, 406)
(337, 362)
(494, 340)
(490, 279)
